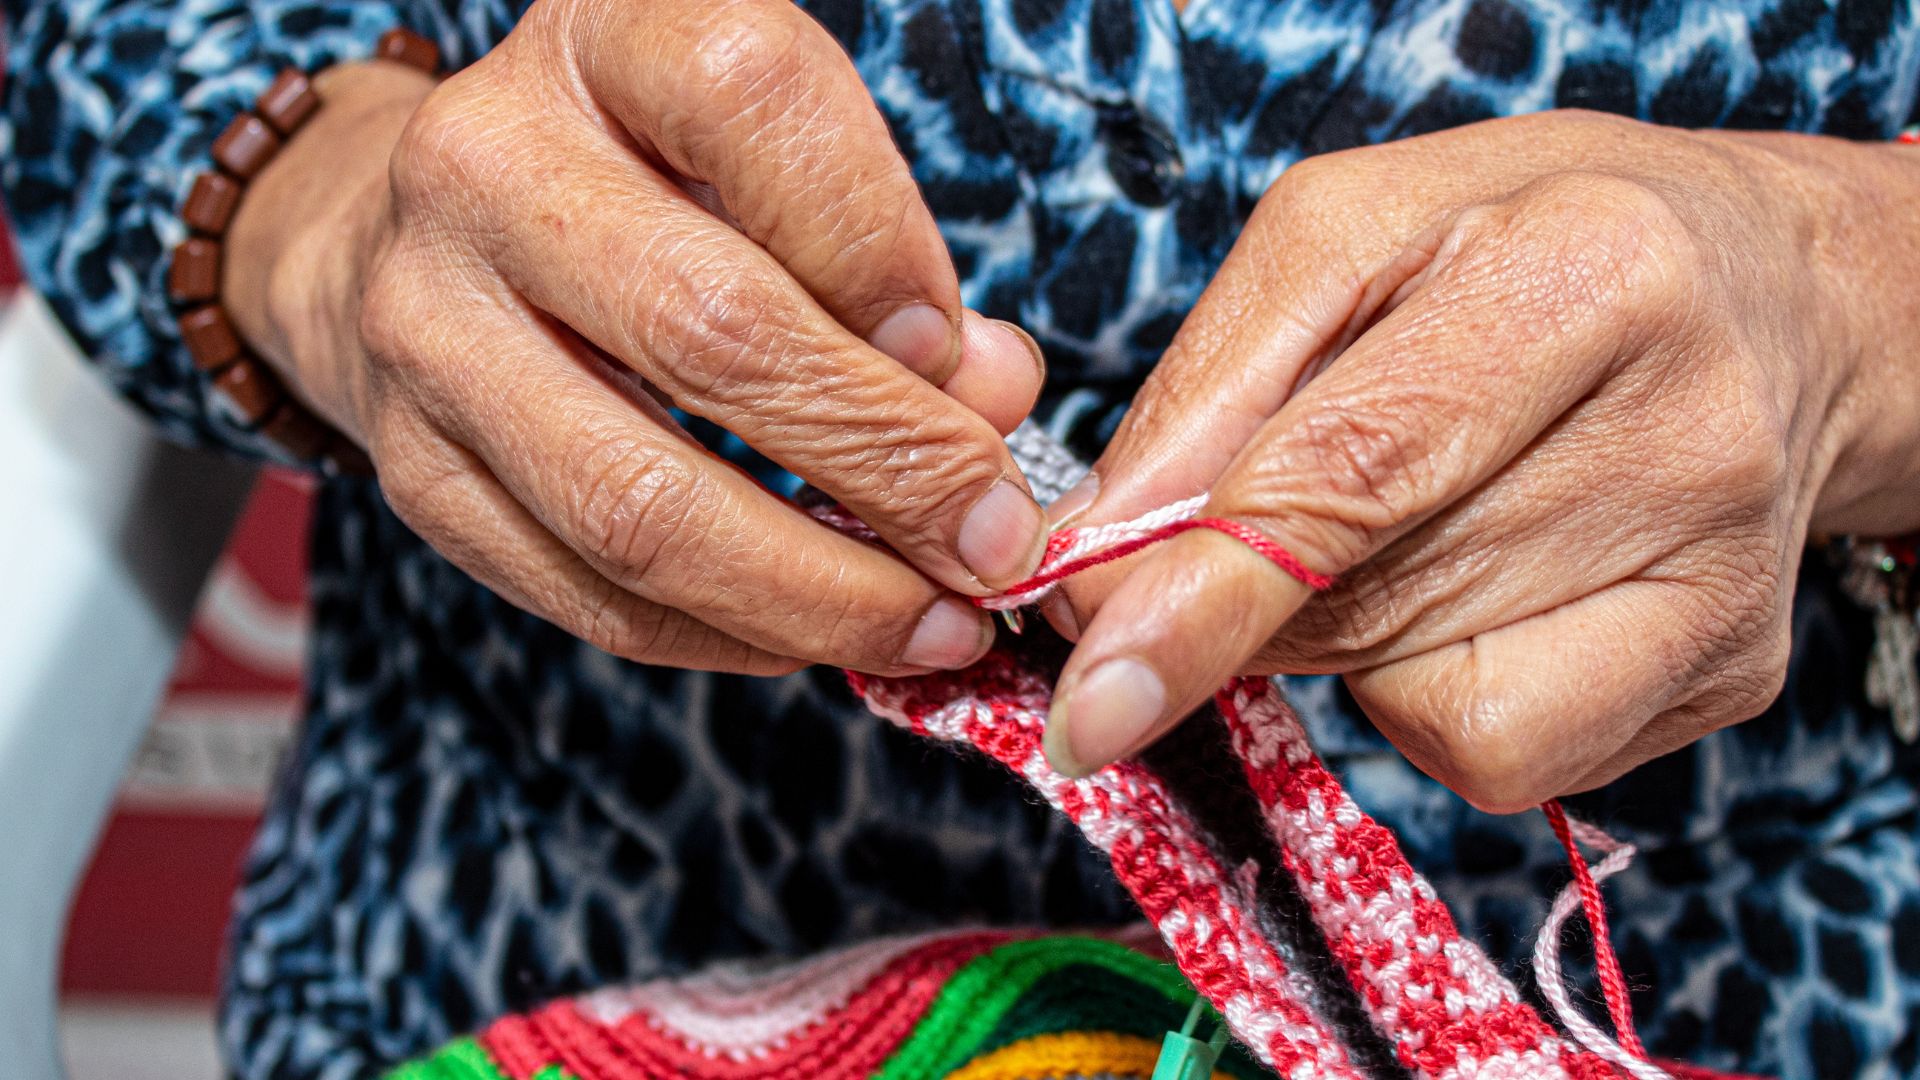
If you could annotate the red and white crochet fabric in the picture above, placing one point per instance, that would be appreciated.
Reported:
(1443, 1004)
(1433, 997)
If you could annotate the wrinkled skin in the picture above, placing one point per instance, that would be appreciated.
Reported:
(626, 202)
(1560, 399)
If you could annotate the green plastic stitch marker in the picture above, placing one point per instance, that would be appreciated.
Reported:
(1183, 1057)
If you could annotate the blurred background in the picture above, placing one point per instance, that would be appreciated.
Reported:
(137, 973)
(138, 969)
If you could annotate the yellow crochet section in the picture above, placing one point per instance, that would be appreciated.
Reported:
(1073, 1053)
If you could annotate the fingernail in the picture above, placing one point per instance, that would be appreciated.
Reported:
(920, 336)
(1010, 335)
(1058, 611)
(1075, 500)
(1001, 537)
(951, 635)
(1105, 713)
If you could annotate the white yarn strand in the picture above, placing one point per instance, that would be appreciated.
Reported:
(1546, 956)
(1093, 539)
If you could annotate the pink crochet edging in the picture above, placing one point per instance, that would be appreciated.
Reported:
(1440, 1000)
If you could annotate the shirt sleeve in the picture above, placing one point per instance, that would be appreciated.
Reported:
(111, 110)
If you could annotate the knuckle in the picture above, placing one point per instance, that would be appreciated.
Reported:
(415, 483)
(1741, 597)
(1481, 734)
(1477, 736)
(1561, 118)
(444, 147)
(1737, 435)
(1768, 666)
(625, 626)
(1309, 187)
(630, 507)
(720, 326)
(1757, 467)
(1353, 472)
(916, 477)
(385, 320)
(747, 59)
(1364, 612)
(1745, 672)
(1730, 655)
(1487, 764)
(1747, 689)
(1752, 478)
(613, 621)
(1617, 244)
(1312, 199)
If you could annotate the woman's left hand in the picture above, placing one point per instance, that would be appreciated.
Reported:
(1560, 399)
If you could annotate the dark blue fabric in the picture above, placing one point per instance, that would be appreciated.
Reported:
(481, 812)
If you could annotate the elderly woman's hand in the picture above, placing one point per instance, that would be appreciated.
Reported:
(493, 284)
(1560, 399)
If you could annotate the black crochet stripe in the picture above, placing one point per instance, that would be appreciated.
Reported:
(1199, 768)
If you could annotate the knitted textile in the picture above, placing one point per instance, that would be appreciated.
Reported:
(971, 1005)
(1289, 909)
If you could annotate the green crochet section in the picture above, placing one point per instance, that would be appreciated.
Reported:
(464, 1059)
(1044, 986)
(1084, 997)
(1022, 989)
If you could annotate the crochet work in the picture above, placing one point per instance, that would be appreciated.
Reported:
(972, 1005)
(1440, 1006)
(1279, 900)
(1276, 897)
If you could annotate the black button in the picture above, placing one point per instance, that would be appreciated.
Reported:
(1141, 154)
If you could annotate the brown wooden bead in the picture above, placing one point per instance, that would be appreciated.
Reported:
(246, 146)
(210, 204)
(297, 431)
(194, 272)
(409, 48)
(250, 390)
(210, 337)
(288, 102)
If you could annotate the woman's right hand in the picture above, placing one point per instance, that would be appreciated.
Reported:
(493, 283)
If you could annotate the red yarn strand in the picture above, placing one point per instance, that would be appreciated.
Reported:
(1258, 541)
(1613, 984)
(1253, 538)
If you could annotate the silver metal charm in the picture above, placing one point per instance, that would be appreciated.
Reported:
(1893, 674)
(1878, 580)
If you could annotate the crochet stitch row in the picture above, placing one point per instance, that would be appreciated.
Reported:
(968, 1005)
(999, 706)
(1446, 1006)
(1436, 996)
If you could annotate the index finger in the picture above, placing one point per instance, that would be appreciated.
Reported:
(1305, 276)
(714, 323)
(656, 516)
(757, 104)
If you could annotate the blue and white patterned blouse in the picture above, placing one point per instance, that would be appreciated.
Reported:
(481, 812)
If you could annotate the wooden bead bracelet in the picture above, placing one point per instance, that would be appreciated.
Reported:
(242, 384)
